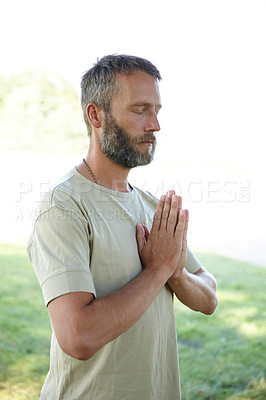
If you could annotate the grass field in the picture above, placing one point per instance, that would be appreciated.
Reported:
(221, 356)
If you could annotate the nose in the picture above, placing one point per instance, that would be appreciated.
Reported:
(153, 123)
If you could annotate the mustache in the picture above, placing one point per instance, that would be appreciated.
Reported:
(147, 138)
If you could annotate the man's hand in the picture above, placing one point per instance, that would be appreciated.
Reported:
(166, 245)
(83, 324)
(165, 248)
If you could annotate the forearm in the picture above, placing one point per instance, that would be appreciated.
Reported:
(197, 292)
(106, 318)
(84, 324)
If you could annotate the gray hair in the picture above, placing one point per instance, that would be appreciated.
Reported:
(98, 84)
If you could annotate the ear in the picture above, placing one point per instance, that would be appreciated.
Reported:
(94, 114)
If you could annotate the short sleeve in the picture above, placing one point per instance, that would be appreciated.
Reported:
(60, 253)
(192, 263)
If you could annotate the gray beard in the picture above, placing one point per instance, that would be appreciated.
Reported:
(121, 149)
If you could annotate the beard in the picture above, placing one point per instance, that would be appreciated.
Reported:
(120, 147)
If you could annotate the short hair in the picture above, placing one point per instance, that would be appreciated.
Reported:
(98, 84)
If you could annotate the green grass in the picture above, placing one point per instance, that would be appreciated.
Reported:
(24, 328)
(221, 356)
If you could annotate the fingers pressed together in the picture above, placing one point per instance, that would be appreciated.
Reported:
(169, 215)
(165, 246)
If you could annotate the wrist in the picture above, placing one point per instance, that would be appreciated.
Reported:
(178, 277)
(157, 275)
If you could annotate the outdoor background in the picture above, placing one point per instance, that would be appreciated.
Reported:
(211, 150)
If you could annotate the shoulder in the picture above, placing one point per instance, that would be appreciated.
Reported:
(62, 189)
(60, 206)
(66, 193)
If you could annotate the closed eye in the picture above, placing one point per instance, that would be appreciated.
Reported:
(141, 108)
(139, 111)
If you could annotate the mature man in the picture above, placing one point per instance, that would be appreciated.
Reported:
(109, 256)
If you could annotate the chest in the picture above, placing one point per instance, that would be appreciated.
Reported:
(114, 251)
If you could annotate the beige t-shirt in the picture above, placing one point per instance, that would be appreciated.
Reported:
(84, 239)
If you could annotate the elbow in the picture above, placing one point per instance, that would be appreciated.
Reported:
(78, 352)
(213, 301)
(85, 349)
(81, 353)
(211, 306)
(79, 347)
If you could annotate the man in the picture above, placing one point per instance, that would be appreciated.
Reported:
(109, 257)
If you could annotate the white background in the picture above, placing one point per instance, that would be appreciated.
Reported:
(211, 55)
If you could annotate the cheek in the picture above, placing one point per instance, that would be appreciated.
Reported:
(137, 123)
(133, 125)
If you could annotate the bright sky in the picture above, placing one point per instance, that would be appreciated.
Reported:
(211, 54)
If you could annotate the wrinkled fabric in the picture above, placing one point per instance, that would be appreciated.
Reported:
(84, 239)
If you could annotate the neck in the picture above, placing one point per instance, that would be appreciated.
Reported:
(106, 172)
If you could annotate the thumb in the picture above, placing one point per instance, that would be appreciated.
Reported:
(141, 240)
(146, 232)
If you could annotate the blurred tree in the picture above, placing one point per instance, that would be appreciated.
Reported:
(40, 111)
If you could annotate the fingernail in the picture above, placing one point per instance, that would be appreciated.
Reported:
(163, 197)
(174, 198)
(169, 194)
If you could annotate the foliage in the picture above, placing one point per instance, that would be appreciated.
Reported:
(40, 111)
(221, 356)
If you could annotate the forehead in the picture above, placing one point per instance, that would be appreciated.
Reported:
(136, 88)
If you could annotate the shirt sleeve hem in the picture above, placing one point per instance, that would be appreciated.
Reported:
(192, 263)
(67, 282)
